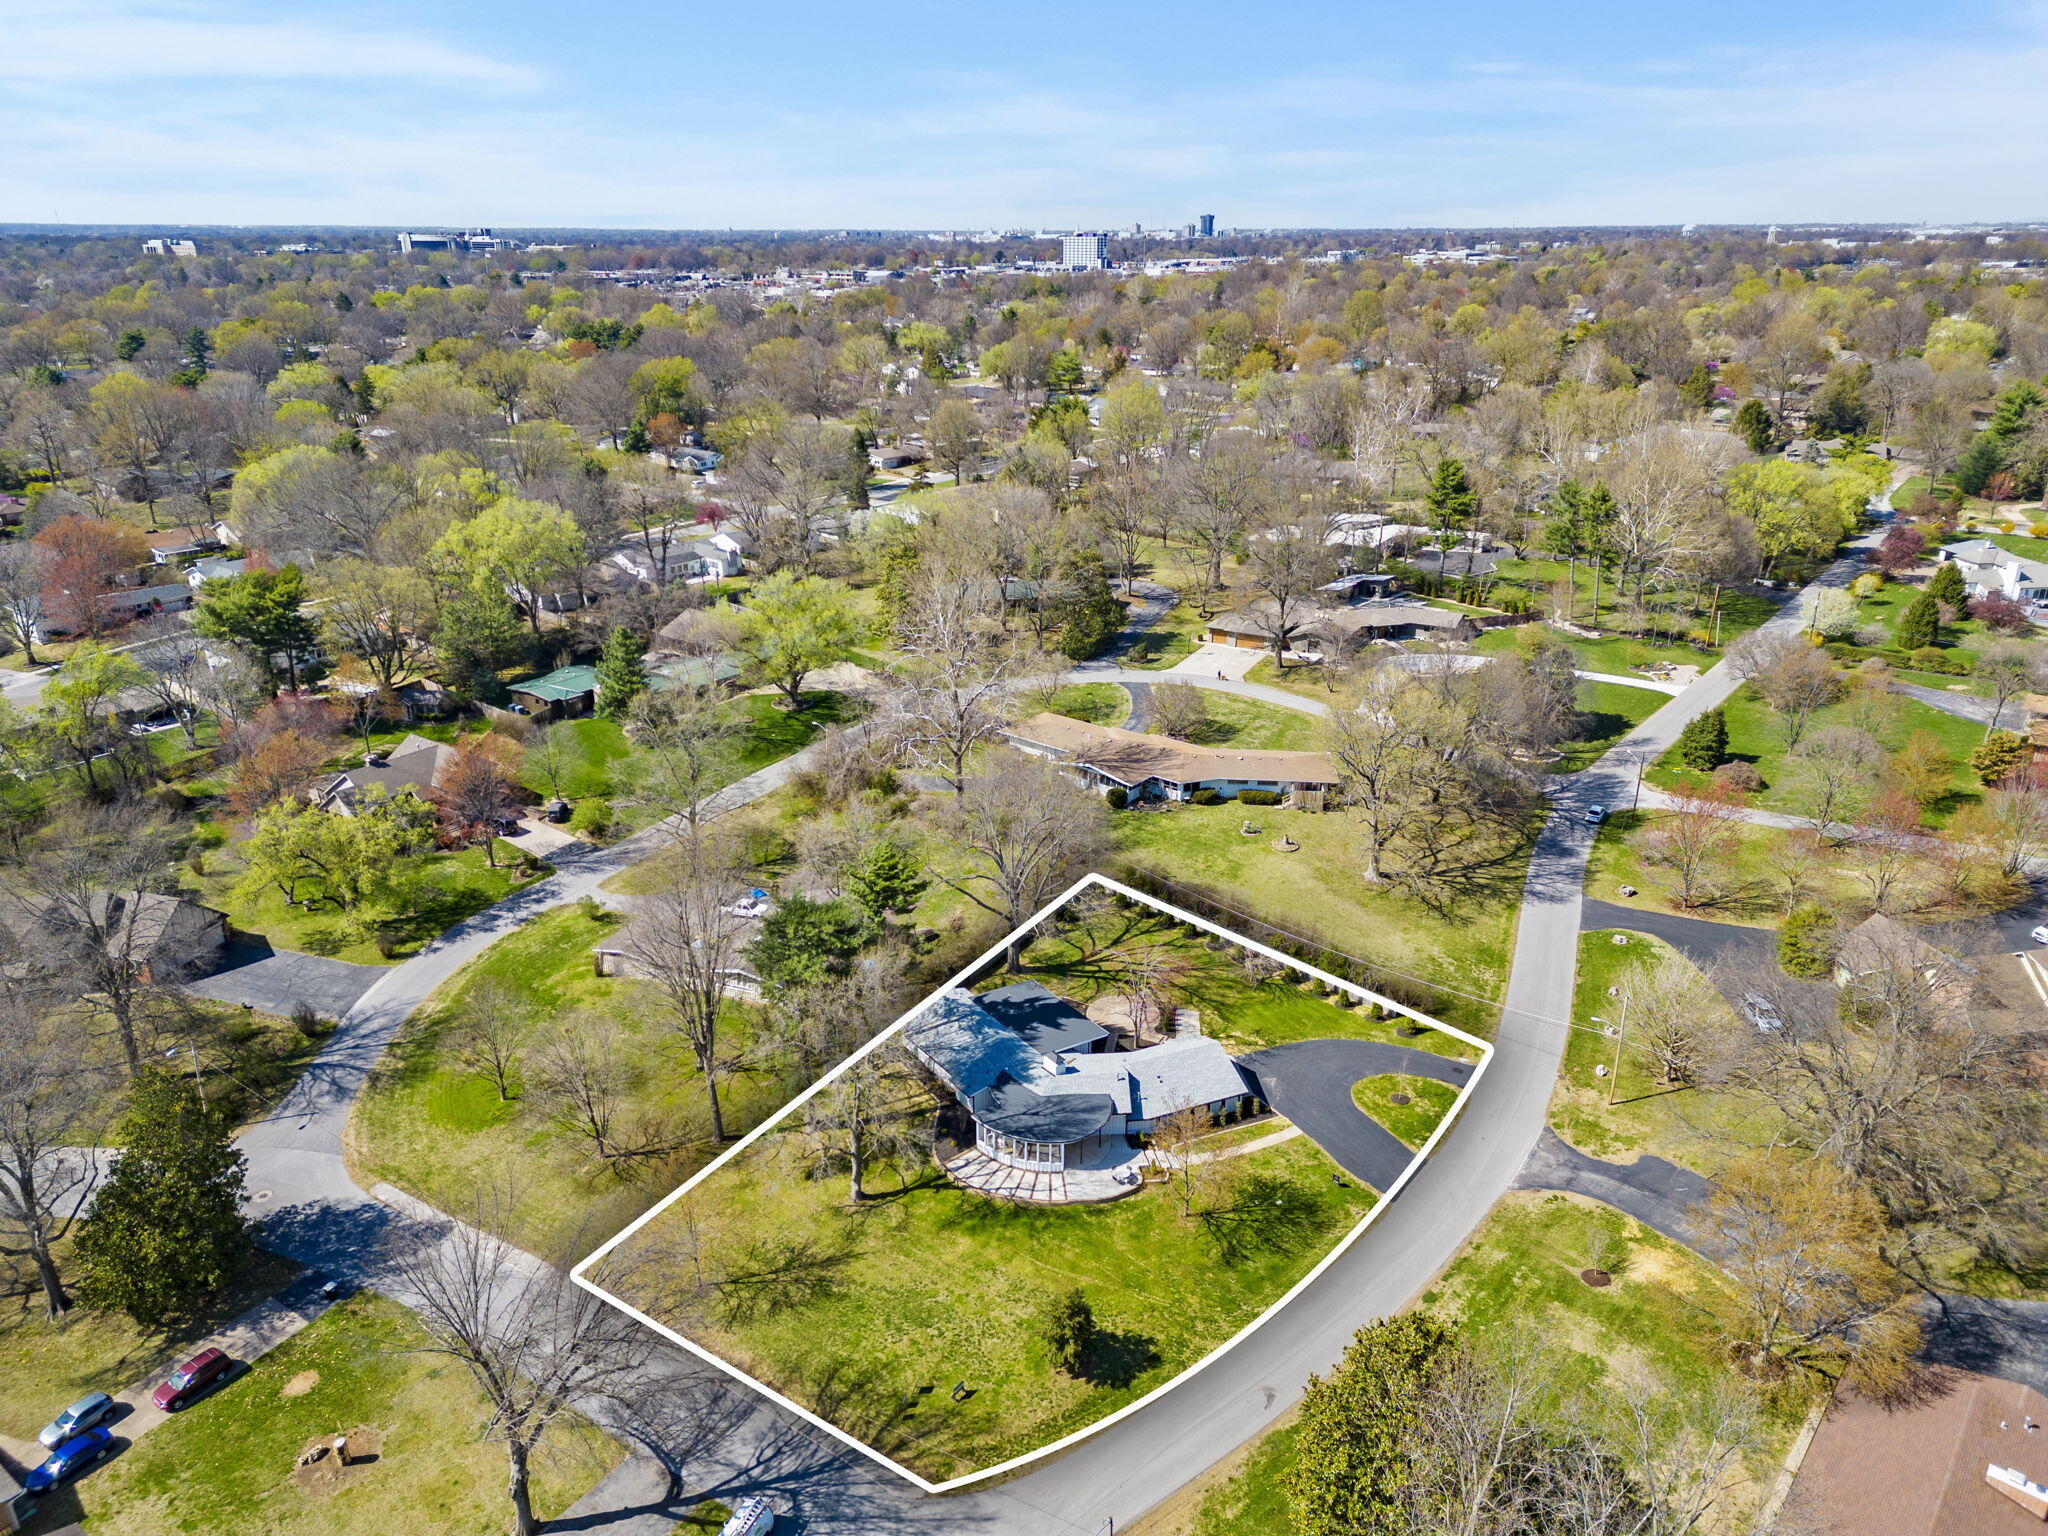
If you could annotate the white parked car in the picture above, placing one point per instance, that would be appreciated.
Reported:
(755, 1517)
(1595, 814)
(754, 904)
(1762, 1013)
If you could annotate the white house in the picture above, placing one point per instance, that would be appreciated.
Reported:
(1150, 767)
(1990, 570)
(697, 553)
(1031, 1073)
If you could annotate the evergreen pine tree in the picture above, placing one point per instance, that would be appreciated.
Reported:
(887, 878)
(1703, 744)
(1069, 1331)
(1946, 584)
(166, 1229)
(1755, 426)
(1984, 458)
(1806, 944)
(1089, 613)
(1920, 624)
(621, 674)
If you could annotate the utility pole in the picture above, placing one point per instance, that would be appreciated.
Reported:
(198, 1074)
(1620, 1036)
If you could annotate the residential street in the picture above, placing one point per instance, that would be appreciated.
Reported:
(314, 1212)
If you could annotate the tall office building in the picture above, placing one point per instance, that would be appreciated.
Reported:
(1084, 252)
(1208, 223)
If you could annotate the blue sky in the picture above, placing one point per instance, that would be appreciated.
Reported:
(962, 115)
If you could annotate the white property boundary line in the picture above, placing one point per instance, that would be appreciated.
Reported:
(1385, 1200)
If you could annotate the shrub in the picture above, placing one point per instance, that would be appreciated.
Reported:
(592, 817)
(1931, 658)
(1117, 797)
(1997, 611)
(590, 907)
(1740, 775)
(1806, 944)
(1258, 797)
(1204, 797)
(2037, 530)
(1999, 754)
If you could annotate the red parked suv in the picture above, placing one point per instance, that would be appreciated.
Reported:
(192, 1378)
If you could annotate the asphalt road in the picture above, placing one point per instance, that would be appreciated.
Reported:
(738, 1445)
(1309, 1081)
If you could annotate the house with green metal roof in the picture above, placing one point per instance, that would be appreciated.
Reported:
(564, 692)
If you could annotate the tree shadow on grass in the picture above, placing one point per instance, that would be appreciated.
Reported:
(775, 1274)
(1264, 1214)
(1116, 1359)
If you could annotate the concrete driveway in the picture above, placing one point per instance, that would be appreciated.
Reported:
(1230, 662)
(1309, 1081)
(278, 980)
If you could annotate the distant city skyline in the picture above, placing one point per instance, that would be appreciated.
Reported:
(1312, 115)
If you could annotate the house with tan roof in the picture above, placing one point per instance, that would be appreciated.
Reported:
(1151, 767)
(1251, 627)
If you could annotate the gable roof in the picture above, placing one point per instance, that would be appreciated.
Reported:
(1258, 618)
(963, 1042)
(1045, 1021)
(1131, 757)
(416, 763)
(561, 684)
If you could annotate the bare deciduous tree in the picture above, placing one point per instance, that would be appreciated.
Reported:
(1027, 830)
(682, 940)
(49, 1112)
(539, 1348)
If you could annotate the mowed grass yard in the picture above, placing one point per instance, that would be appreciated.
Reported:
(1427, 1101)
(225, 1466)
(439, 891)
(1519, 1277)
(1084, 960)
(594, 759)
(1315, 892)
(431, 1122)
(893, 1302)
(1756, 734)
(44, 1364)
(1695, 1127)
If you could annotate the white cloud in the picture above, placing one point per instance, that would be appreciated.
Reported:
(102, 41)
(311, 121)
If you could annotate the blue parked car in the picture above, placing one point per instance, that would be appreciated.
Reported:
(69, 1459)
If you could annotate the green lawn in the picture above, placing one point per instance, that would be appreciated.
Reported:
(1251, 726)
(597, 759)
(1617, 655)
(1428, 1101)
(1522, 1270)
(1173, 637)
(1081, 962)
(1756, 734)
(1765, 864)
(448, 888)
(435, 1127)
(1520, 1275)
(1610, 711)
(225, 1465)
(1741, 610)
(1096, 703)
(1698, 1128)
(44, 1365)
(870, 1315)
(1450, 965)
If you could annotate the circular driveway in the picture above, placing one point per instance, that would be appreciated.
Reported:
(1309, 1081)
